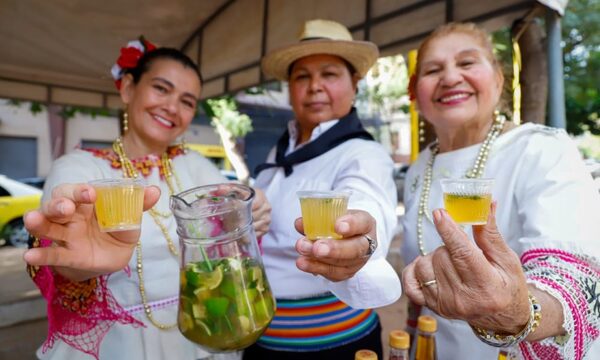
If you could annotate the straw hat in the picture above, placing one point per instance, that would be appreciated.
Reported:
(321, 37)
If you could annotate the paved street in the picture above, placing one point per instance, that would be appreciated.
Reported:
(23, 322)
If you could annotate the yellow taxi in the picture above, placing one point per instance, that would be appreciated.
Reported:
(16, 198)
(215, 153)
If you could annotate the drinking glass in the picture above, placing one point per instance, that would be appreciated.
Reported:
(320, 210)
(468, 200)
(119, 203)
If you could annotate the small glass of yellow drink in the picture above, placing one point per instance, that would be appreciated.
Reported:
(468, 200)
(320, 210)
(119, 203)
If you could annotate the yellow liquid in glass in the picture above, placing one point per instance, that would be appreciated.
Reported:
(468, 209)
(319, 215)
(119, 207)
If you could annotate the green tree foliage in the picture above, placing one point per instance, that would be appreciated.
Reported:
(224, 111)
(381, 92)
(231, 125)
(581, 48)
(581, 55)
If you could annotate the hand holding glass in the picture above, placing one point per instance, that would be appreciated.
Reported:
(119, 204)
(468, 200)
(320, 210)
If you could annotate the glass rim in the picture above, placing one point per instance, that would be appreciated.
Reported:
(251, 193)
(116, 182)
(323, 194)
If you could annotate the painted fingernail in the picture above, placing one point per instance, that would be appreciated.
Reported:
(85, 195)
(61, 208)
(343, 227)
(322, 250)
(437, 215)
(305, 246)
(302, 265)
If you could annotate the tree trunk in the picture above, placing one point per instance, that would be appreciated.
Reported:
(236, 159)
(534, 73)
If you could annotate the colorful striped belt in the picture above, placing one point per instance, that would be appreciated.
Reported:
(316, 324)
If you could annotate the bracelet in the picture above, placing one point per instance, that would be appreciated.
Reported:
(491, 338)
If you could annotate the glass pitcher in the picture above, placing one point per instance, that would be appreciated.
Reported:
(225, 302)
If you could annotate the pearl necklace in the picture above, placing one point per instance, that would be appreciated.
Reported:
(129, 171)
(475, 172)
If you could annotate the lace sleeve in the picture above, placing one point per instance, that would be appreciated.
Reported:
(79, 313)
(575, 281)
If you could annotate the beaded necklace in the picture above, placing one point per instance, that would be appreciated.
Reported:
(129, 171)
(475, 172)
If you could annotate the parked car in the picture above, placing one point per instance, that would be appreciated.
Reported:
(16, 198)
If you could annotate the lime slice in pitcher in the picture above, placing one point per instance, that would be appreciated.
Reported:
(204, 326)
(217, 306)
(256, 278)
(205, 280)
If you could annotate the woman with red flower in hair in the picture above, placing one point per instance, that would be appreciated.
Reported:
(114, 295)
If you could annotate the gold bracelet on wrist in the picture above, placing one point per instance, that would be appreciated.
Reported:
(491, 338)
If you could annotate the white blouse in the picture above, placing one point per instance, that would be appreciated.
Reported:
(161, 268)
(358, 165)
(545, 199)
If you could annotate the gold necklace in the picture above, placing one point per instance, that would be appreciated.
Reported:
(130, 171)
(475, 172)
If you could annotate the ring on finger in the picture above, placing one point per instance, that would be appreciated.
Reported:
(428, 283)
(372, 245)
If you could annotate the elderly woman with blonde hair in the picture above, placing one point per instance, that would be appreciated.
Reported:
(529, 282)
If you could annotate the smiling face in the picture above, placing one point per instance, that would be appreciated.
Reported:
(458, 84)
(162, 104)
(321, 89)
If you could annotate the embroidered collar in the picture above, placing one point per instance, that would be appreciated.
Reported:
(143, 165)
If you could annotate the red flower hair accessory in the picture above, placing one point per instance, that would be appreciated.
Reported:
(130, 55)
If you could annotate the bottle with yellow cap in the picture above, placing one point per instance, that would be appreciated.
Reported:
(365, 355)
(426, 328)
(503, 354)
(399, 344)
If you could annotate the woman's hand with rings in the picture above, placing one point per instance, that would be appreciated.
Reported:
(338, 260)
(482, 282)
(79, 249)
(427, 283)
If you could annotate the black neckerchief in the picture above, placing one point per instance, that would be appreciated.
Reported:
(348, 127)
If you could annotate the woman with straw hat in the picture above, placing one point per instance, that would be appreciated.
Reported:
(325, 295)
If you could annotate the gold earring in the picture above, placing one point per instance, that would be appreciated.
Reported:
(498, 117)
(125, 121)
(421, 131)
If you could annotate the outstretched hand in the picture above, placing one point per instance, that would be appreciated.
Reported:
(338, 260)
(79, 249)
(482, 282)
